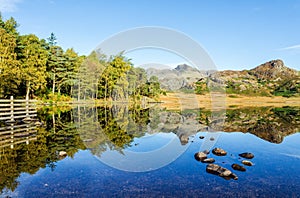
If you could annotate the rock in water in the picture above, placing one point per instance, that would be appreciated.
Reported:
(247, 163)
(219, 152)
(225, 173)
(208, 160)
(246, 155)
(234, 176)
(200, 156)
(238, 167)
(213, 168)
(201, 137)
(220, 171)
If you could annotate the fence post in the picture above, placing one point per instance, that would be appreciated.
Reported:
(12, 108)
(27, 106)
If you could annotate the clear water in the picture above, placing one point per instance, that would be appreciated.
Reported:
(275, 173)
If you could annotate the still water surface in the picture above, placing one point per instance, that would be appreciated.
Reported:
(142, 153)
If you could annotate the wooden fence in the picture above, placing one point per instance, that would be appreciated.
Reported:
(17, 121)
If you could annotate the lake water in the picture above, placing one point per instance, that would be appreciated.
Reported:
(126, 152)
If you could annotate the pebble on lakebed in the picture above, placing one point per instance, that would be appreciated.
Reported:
(219, 152)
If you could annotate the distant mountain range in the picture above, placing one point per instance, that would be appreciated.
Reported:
(270, 78)
(183, 76)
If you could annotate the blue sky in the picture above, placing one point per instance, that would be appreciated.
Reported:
(236, 34)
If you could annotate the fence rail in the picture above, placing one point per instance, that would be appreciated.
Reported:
(18, 118)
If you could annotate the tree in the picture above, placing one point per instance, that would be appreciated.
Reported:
(88, 75)
(55, 64)
(116, 68)
(9, 65)
(68, 78)
(52, 39)
(10, 26)
(33, 58)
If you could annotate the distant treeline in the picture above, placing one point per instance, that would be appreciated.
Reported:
(39, 68)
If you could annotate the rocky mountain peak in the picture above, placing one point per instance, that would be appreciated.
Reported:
(183, 67)
(273, 70)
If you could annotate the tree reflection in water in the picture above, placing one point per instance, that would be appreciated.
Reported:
(114, 128)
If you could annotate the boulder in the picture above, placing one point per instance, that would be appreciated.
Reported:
(220, 171)
(219, 152)
(238, 167)
(247, 155)
(247, 163)
(200, 156)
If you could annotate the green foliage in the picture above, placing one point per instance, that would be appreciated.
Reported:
(34, 67)
(201, 87)
(33, 58)
(288, 88)
(116, 68)
(52, 39)
(151, 88)
(9, 65)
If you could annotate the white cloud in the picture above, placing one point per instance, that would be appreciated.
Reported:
(293, 47)
(9, 5)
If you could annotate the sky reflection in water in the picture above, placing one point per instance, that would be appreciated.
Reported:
(275, 172)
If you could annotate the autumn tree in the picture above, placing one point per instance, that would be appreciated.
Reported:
(33, 58)
(116, 68)
(9, 65)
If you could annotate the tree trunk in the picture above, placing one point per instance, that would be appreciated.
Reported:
(53, 122)
(53, 85)
(27, 90)
(105, 89)
(78, 97)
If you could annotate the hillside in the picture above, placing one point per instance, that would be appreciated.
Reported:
(270, 78)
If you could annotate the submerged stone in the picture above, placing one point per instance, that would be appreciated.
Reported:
(219, 152)
(200, 156)
(238, 167)
(247, 163)
(208, 160)
(247, 155)
(220, 171)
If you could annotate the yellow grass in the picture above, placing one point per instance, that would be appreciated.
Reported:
(180, 101)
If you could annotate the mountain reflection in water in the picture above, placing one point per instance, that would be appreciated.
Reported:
(121, 129)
